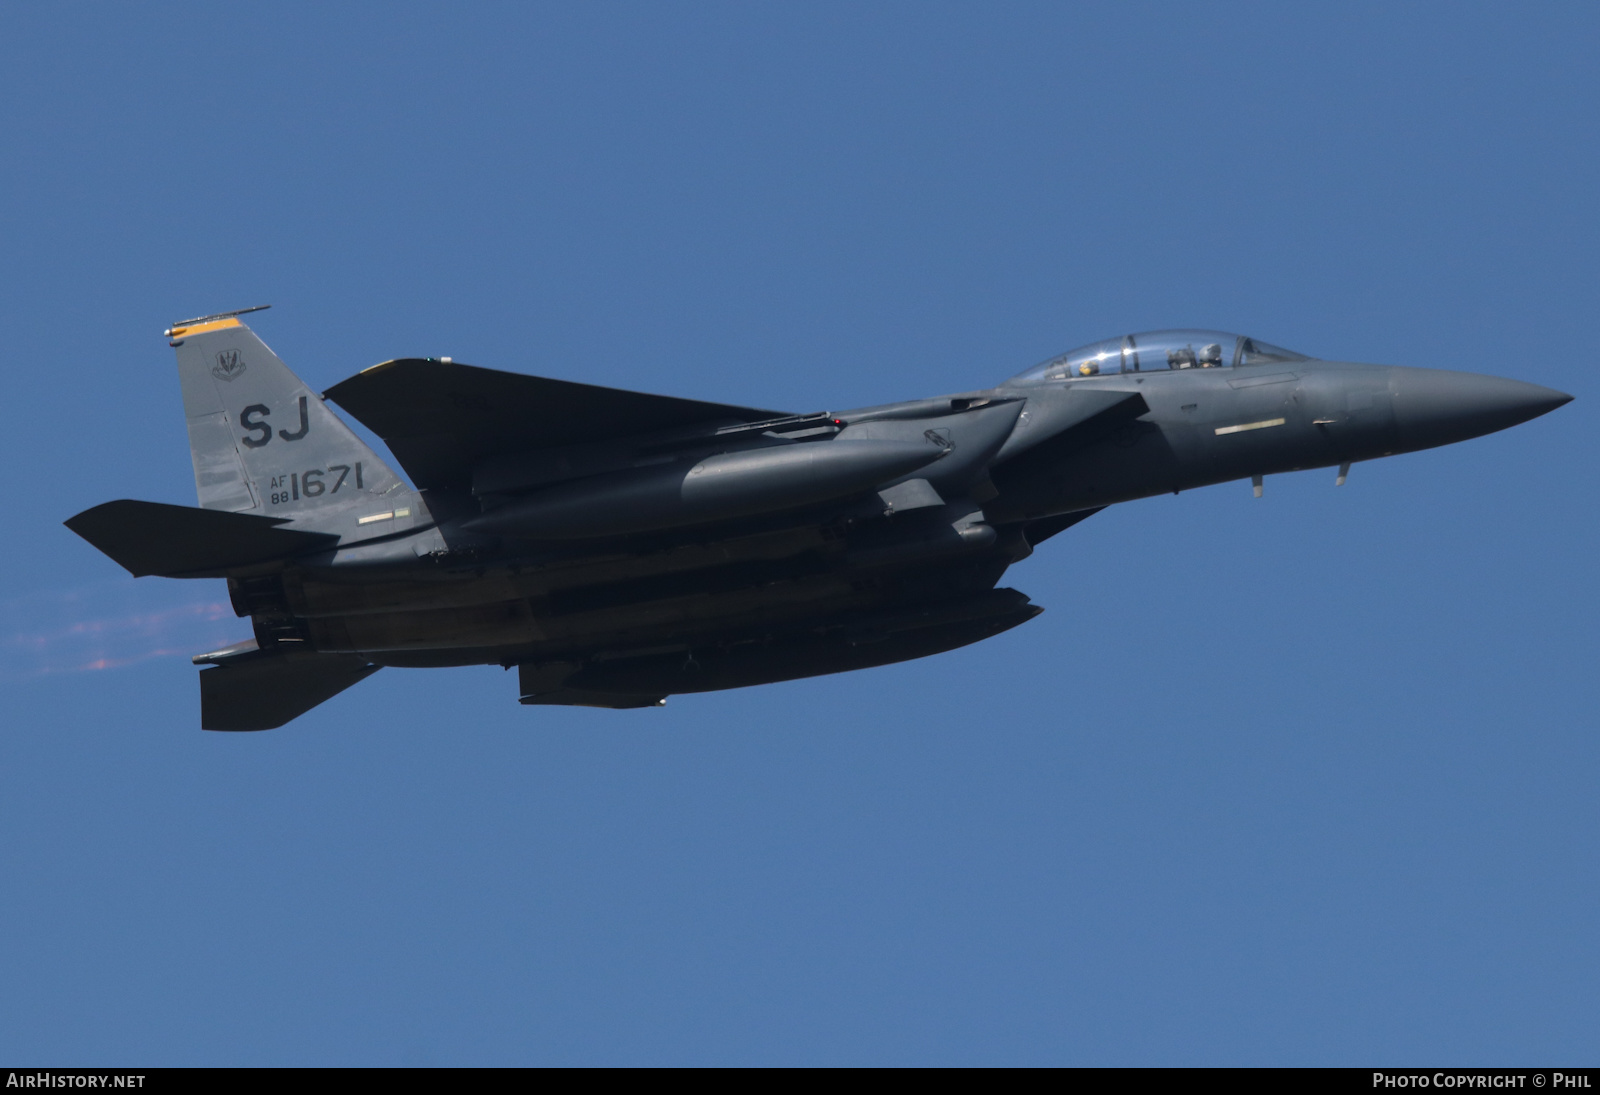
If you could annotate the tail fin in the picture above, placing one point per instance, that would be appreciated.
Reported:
(264, 442)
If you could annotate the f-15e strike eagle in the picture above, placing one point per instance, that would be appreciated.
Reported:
(618, 548)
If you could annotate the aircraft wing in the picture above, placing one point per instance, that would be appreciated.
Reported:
(440, 418)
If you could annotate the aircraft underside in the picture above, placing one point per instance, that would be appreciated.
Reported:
(633, 626)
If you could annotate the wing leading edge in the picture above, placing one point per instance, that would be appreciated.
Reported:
(440, 418)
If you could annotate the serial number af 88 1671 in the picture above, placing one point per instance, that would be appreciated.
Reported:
(313, 483)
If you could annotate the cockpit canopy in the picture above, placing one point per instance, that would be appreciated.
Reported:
(1158, 351)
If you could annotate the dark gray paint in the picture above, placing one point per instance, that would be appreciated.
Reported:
(619, 547)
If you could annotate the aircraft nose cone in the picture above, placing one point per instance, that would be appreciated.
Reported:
(1435, 407)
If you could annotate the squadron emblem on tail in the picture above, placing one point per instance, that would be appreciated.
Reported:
(229, 366)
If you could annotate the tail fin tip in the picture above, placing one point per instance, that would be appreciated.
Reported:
(186, 326)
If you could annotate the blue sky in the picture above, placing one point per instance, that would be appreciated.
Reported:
(1303, 780)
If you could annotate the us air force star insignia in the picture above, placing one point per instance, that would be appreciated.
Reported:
(229, 366)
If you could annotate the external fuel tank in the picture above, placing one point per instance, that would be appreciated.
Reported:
(720, 487)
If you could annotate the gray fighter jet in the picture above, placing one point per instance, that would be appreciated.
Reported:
(618, 547)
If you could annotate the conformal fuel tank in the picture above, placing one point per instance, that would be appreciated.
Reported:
(728, 485)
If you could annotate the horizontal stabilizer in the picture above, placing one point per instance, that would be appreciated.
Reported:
(180, 541)
(263, 693)
(440, 418)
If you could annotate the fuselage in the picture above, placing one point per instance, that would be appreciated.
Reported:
(655, 606)
(618, 547)
(1207, 426)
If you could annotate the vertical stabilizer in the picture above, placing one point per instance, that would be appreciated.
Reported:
(262, 442)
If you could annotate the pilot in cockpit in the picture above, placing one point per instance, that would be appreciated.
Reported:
(1211, 356)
